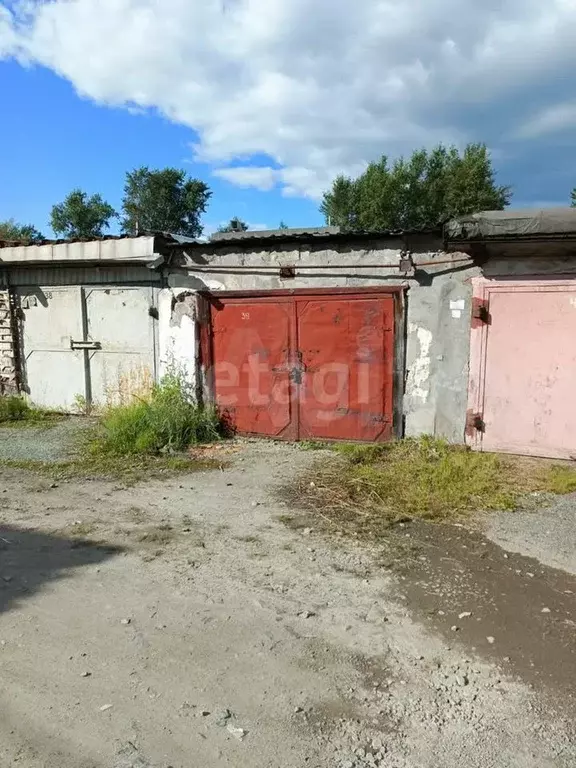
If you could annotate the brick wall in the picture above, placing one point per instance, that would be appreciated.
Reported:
(8, 379)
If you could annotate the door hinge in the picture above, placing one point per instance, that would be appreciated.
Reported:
(203, 312)
(474, 421)
(480, 312)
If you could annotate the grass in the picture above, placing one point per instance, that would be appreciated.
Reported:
(560, 479)
(83, 529)
(367, 488)
(159, 535)
(166, 422)
(129, 469)
(15, 411)
(146, 438)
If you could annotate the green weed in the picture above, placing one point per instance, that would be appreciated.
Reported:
(168, 421)
(558, 478)
(368, 487)
(16, 411)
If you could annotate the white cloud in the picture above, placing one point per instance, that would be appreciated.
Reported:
(249, 176)
(8, 41)
(295, 181)
(554, 119)
(320, 87)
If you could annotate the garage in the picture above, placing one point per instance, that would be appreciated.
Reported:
(85, 345)
(523, 367)
(78, 320)
(304, 365)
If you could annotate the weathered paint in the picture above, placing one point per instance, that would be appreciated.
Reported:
(430, 291)
(253, 347)
(118, 318)
(523, 368)
(346, 353)
(177, 335)
(306, 365)
(115, 320)
(418, 384)
(53, 374)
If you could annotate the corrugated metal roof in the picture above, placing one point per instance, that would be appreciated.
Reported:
(258, 234)
(168, 236)
(60, 241)
(320, 235)
(117, 248)
(147, 246)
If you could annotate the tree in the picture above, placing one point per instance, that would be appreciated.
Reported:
(234, 225)
(339, 205)
(573, 196)
(12, 231)
(80, 216)
(422, 191)
(164, 200)
(282, 224)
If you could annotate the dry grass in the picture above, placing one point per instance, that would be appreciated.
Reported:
(367, 488)
(159, 535)
(129, 469)
(84, 529)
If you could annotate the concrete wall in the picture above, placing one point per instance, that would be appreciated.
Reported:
(437, 311)
(177, 336)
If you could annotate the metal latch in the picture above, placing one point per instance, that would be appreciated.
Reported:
(475, 421)
(297, 370)
(481, 311)
(85, 344)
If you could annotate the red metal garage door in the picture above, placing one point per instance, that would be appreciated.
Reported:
(305, 366)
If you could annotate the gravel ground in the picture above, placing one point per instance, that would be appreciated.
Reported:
(548, 534)
(182, 623)
(52, 442)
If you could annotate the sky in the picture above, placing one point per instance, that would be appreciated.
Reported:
(268, 100)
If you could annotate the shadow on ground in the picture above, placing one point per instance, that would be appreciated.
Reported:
(28, 560)
(505, 606)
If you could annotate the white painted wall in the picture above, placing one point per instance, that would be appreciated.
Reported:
(177, 339)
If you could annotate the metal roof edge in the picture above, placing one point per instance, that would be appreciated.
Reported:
(321, 238)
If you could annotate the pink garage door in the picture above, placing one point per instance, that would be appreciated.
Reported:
(523, 368)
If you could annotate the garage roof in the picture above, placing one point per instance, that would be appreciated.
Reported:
(527, 223)
(111, 248)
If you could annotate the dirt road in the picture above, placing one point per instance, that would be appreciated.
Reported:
(184, 624)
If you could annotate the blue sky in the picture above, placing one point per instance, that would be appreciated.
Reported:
(54, 141)
(267, 100)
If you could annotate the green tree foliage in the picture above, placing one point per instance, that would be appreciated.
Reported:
(80, 216)
(164, 200)
(421, 191)
(282, 225)
(339, 205)
(234, 225)
(573, 196)
(12, 231)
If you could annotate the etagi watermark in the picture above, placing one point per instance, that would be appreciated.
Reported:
(328, 387)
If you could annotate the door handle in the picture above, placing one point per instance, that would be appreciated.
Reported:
(85, 344)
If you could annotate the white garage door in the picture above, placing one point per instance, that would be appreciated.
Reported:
(92, 345)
